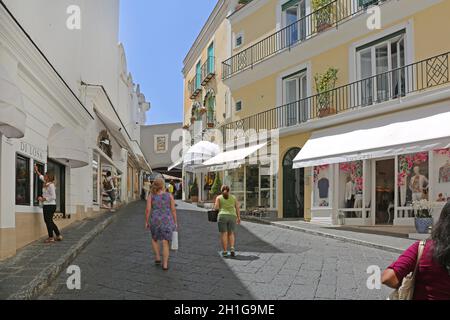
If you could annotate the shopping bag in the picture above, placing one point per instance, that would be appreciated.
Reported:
(174, 244)
(212, 215)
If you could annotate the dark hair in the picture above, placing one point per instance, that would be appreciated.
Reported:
(441, 238)
(108, 174)
(50, 176)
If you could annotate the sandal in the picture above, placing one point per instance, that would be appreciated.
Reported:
(49, 240)
(232, 252)
(157, 262)
(165, 269)
(59, 238)
(224, 254)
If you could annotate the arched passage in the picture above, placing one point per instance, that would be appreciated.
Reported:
(293, 187)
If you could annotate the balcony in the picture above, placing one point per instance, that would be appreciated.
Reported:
(194, 86)
(208, 70)
(365, 93)
(326, 17)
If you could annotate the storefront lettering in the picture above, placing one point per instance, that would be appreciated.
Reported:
(32, 151)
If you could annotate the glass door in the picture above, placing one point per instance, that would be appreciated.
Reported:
(295, 108)
(59, 171)
(293, 12)
(198, 75)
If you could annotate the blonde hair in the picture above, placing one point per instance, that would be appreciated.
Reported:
(157, 185)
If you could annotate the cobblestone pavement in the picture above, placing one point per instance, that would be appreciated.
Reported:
(272, 263)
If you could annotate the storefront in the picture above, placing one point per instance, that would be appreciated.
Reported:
(393, 166)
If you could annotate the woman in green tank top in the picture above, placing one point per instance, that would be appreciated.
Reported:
(229, 216)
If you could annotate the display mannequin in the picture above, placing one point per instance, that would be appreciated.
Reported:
(444, 172)
(418, 185)
(349, 192)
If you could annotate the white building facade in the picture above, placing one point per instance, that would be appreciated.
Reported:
(69, 106)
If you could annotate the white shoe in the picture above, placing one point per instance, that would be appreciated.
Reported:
(112, 210)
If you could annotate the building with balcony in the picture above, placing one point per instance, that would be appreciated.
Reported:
(360, 108)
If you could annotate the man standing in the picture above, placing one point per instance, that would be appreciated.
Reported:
(110, 188)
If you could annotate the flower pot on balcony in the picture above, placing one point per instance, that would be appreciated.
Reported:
(192, 120)
(202, 110)
(326, 111)
(210, 125)
(423, 224)
(321, 27)
(186, 127)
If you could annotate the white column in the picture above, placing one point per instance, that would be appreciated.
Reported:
(7, 183)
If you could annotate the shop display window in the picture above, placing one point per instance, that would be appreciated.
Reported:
(235, 180)
(351, 185)
(22, 180)
(441, 169)
(37, 183)
(322, 186)
(413, 179)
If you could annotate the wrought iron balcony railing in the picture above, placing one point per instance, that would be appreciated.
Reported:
(363, 93)
(208, 70)
(194, 86)
(324, 18)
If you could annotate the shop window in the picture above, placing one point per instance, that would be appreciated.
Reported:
(59, 172)
(442, 173)
(37, 183)
(412, 180)
(322, 186)
(22, 180)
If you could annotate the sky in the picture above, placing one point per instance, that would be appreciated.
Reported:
(157, 35)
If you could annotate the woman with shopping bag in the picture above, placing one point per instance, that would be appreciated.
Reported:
(422, 272)
(161, 219)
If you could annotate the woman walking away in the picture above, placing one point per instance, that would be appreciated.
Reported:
(229, 216)
(48, 199)
(161, 219)
(432, 281)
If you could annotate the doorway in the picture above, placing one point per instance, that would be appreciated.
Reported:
(385, 191)
(293, 187)
(59, 172)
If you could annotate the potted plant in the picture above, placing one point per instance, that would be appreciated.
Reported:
(215, 189)
(423, 210)
(202, 110)
(324, 84)
(194, 191)
(323, 12)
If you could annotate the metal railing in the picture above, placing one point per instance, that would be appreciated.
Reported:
(208, 70)
(194, 86)
(324, 18)
(367, 92)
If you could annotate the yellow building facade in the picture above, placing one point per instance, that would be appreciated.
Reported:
(317, 69)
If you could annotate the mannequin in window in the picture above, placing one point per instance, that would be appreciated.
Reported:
(418, 185)
(444, 172)
(349, 193)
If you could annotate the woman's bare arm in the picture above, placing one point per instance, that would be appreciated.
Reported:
(173, 209)
(238, 211)
(389, 279)
(148, 210)
(217, 204)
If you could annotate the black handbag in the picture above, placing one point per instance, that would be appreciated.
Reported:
(212, 215)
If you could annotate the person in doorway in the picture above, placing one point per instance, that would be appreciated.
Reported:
(161, 219)
(432, 281)
(229, 215)
(48, 199)
(110, 188)
(418, 185)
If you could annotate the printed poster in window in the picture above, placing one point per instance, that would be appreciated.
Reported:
(161, 143)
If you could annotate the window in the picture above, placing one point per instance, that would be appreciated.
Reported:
(211, 58)
(294, 90)
(59, 172)
(239, 106)
(37, 183)
(293, 12)
(239, 40)
(374, 61)
(22, 180)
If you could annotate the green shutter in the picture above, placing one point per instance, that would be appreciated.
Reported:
(289, 4)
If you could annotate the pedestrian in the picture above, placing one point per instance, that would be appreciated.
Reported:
(432, 280)
(48, 199)
(229, 215)
(161, 219)
(110, 188)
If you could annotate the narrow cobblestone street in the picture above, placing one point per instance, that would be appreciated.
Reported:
(272, 263)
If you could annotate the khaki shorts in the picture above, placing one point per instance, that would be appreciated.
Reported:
(227, 223)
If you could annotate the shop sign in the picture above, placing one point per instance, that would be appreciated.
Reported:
(33, 151)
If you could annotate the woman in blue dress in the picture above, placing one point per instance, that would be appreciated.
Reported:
(161, 219)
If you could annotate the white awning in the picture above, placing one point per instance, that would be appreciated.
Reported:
(233, 155)
(69, 148)
(115, 128)
(385, 136)
(12, 118)
(176, 164)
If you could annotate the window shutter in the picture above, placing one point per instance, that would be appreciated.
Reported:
(289, 4)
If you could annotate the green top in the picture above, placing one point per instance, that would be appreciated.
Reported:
(227, 206)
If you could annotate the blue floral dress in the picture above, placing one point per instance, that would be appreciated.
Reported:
(162, 224)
